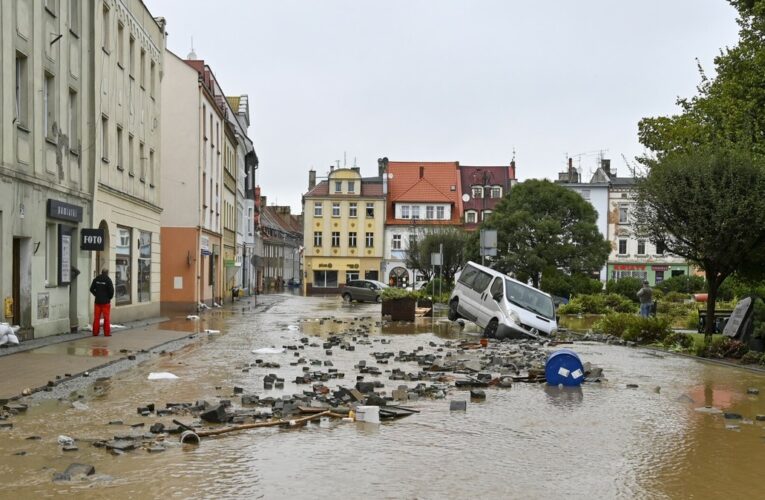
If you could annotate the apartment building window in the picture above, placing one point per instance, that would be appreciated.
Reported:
(477, 192)
(415, 211)
(144, 266)
(412, 240)
(485, 214)
(585, 194)
(623, 214)
(120, 159)
(142, 69)
(124, 256)
(439, 212)
(470, 217)
(121, 45)
(622, 247)
(318, 209)
(151, 168)
(335, 239)
(105, 32)
(74, 17)
(22, 106)
(74, 120)
(496, 192)
(641, 247)
(404, 211)
(131, 57)
(142, 160)
(429, 212)
(130, 155)
(370, 240)
(396, 243)
(660, 248)
(317, 240)
(104, 138)
(338, 186)
(352, 239)
(152, 78)
(49, 105)
(351, 186)
(336, 209)
(352, 210)
(370, 209)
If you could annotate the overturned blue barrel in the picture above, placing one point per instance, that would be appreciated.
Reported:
(564, 367)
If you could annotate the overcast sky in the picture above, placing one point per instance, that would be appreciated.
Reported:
(444, 80)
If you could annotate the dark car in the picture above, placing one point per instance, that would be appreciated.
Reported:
(363, 291)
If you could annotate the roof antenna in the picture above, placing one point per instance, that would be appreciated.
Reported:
(513, 153)
(192, 55)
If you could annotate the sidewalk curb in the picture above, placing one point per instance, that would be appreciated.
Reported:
(719, 362)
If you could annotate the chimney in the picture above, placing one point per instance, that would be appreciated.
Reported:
(606, 166)
(356, 169)
(311, 179)
(382, 166)
(571, 174)
(331, 168)
(511, 170)
(263, 202)
(422, 171)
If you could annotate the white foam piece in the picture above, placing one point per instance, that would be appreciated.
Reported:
(268, 350)
(162, 376)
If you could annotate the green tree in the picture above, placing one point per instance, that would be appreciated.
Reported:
(453, 240)
(541, 225)
(707, 206)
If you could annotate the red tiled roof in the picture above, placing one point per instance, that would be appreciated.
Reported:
(424, 182)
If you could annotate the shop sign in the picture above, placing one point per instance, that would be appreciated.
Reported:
(325, 266)
(353, 266)
(629, 267)
(64, 255)
(660, 268)
(204, 244)
(92, 239)
(64, 211)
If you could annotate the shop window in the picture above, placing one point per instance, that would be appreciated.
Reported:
(325, 279)
(351, 276)
(122, 271)
(144, 266)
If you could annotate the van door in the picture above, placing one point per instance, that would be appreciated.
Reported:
(477, 293)
(490, 307)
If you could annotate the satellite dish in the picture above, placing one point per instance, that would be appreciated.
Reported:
(466, 197)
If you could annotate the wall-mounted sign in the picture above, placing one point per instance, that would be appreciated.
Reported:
(629, 267)
(353, 266)
(204, 244)
(64, 255)
(92, 239)
(660, 268)
(325, 266)
(64, 211)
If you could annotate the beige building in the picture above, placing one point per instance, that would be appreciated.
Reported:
(129, 53)
(232, 261)
(343, 218)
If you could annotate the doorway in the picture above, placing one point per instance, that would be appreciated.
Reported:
(16, 282)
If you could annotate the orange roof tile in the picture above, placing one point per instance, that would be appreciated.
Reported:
(423, 182)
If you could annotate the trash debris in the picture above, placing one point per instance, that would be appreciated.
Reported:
(207, 330)
(161, 376)
(65, 440)
(192, 317)
(458, 405)
(78, 405)
(268, 350)
(564, 367)
(8, 334)
(189, 437)
(711, 410)
(368, 414)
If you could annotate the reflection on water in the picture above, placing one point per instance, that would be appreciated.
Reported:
(579, 323)
(529, 441)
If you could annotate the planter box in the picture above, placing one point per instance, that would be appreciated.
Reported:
(425, 303)
(399, 309)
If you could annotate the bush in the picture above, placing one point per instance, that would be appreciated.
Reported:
(557, 283)
(393, 293)
(723, 347)
(676, 297)
(619, 303)
(634, 328)
(627, 287)
(432, 287)
(678, 340)
(573, 307)
(613, 324)
(751, 358)
(598, 304)
(682, 284)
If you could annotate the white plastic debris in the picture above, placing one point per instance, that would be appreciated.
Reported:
(78, 405)
(8, 334)
(65, 440)
(211, 331)
(192, 316)
(293, 328)
(215, 304)
(162, 376)
(268, 350)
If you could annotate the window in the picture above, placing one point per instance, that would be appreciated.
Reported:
(317, 238)
(585, 194)
(429, 212)
(325, 279)
(481, 281)
(74, 16)
(22, 107)
(49, 105)
(352, 240)
(485, 214)
(496, 192)
(120, 159)
(142, 160)
(659, 277)
(74, 120)
(439, 212)
(152, 80)
(104, 138)
(352, 210)
(211, 269)
(142, 69)
(123, 251)
(336, 209)
(317, 209)
(151, 168)
(623, 214)
(51, 255)
(477, 192)
(105, 34)
(470, 217)
(351, 276)
(335, 239)
(641, 247)
(144, 266)
(370, 240)
(121, 45)
(467, 276)
(351, 186)
(412, 240)
(396, 245)
(660, 248)
(415, 211)
(370, 209)
(130, 154)
(131, 57)
(338, 186)
(622, 247)
(404, 211)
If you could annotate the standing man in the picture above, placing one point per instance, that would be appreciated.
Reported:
(102, 289)
(645, 295)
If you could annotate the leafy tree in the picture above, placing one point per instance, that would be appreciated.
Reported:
(683, 284)
(542, 225)
(707, 206)
(626, 287)
(453, 240)
(557, 283)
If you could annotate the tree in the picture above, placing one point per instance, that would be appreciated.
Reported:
(420, 250)
(708, 207)
(541, 225)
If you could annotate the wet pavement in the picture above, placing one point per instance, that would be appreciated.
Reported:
(603, 440)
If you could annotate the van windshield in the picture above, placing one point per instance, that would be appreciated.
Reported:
(530, 299)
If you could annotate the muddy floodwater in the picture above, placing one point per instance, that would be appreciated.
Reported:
(530, 441)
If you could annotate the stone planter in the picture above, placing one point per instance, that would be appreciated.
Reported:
(399, 309)
(425, 303)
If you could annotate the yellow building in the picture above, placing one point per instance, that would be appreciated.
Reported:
(343, 219)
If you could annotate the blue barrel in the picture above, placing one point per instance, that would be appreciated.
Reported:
(564, 367)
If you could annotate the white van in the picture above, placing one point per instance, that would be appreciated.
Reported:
(502, 306)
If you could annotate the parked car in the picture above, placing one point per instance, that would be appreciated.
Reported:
(418, 286)
(363, 291)
(502, 306)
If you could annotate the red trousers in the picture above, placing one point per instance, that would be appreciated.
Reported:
(105, 310)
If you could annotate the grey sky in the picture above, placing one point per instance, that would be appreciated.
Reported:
(442, 80)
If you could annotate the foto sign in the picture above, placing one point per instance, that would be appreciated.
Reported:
(92, 239)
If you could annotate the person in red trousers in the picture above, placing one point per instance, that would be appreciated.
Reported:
(102, 289)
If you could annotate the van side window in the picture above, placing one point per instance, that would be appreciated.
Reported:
(467, 276)
(481, 281)
(496, 287)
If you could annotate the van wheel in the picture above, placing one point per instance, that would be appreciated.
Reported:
(452, 314)
(347, 298)
(491, 329)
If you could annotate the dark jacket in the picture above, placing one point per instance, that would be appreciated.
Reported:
(102, 289)
(645, 295)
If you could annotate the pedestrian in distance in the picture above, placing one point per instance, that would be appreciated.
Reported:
(645, 295)
(102, 289)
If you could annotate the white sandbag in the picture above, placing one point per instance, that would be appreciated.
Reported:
(162, 376)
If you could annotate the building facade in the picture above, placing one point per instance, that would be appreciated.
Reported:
(343, 219)
(282, 237)
(232, 261)
(482, 189)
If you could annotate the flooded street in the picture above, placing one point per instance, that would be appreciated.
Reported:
(604, 440)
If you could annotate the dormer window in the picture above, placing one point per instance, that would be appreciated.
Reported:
(404, 211)
(338, 186)
(496, 191)
(415, 211)
(477, 192)
(351, 187)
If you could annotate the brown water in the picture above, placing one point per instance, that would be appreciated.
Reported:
(530, 441)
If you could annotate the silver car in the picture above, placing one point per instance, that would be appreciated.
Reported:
(363, 291)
